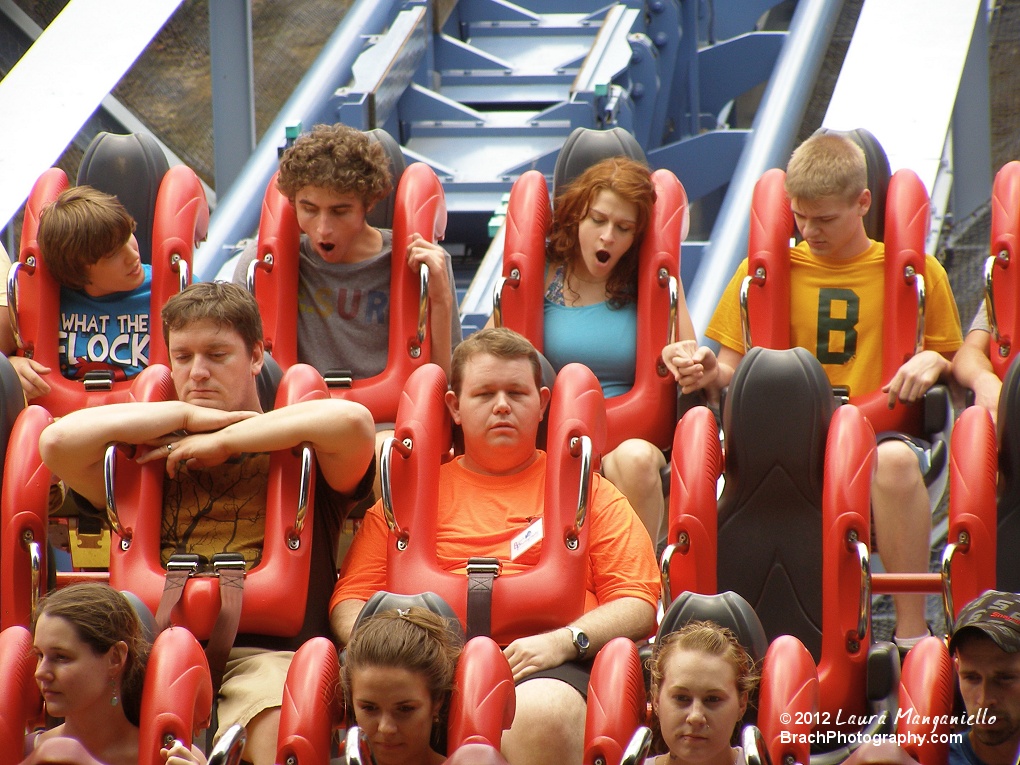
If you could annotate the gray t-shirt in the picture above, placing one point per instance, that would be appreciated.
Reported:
(343, 309)
(980, 320)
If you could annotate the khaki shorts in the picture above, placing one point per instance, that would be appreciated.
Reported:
(252, 682)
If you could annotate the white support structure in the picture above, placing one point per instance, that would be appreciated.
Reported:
(59, 83)
(901, 79)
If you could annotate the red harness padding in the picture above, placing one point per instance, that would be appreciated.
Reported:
(1002, 284)
(25, 510)
(926, 695)
(420, 207)
(177, 697)
(553, 592)
(181, 220)
(20, 701)
(313, 704)
(648, 409)
(973, 510)
(846, 519)
(695, 466)
(484, 702)
(274, 602)
(768, 268)
(788, 699)
(616, 702)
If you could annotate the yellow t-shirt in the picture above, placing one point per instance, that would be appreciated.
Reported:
(836, 312)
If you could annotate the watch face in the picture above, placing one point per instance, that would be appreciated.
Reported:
(581, 640)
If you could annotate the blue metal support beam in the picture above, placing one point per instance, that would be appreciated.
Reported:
(769, 145)
(233, 88)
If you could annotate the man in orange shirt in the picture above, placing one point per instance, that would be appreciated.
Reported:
(488, 497)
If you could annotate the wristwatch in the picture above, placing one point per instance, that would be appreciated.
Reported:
(580, 641)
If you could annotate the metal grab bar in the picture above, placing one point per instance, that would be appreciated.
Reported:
(1001, 259)
(745, 316)
(264, 263)
(514, 281)
(228, 749)
(352, 747)
(385, 457)
(673, 287)
(34, 550)
(184, 276)
(682, 545)
(423, 309)
(304, 490)
(637, 747)
(109, 473)
(581, 446)
(12, 296)
(755, 750)
(908, 274)
(961, 545)
(864, 608)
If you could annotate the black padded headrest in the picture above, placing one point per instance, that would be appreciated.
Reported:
(727, 609)
(879, 173)
(585, 147)
(390, 601)
(381, 216)
(145, 617)
(776, 422)
(131, 167)
(1007, 562)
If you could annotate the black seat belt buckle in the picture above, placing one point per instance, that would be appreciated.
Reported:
(98, 380)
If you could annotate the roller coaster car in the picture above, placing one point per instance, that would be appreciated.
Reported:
(176, 699)
(481, 707)
(648, 409)
(418, 207)
(899, 216)
(1002, 269)
(179, 219)
(541, 598)
(792, 528)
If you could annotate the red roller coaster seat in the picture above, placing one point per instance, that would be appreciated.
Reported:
(791, 508)
(768, 269)
(481, 708)
(1002, 283)
(24, 509)
(770, 497)
(269, 606)
(420, 207)
(526, 603)
(648, 409)
(181, 220)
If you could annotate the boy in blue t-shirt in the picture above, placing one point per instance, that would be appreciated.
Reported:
(87, 241)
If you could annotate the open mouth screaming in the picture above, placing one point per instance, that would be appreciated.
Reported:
(602, 256)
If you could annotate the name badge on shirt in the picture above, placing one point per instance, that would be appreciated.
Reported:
(526, 539)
